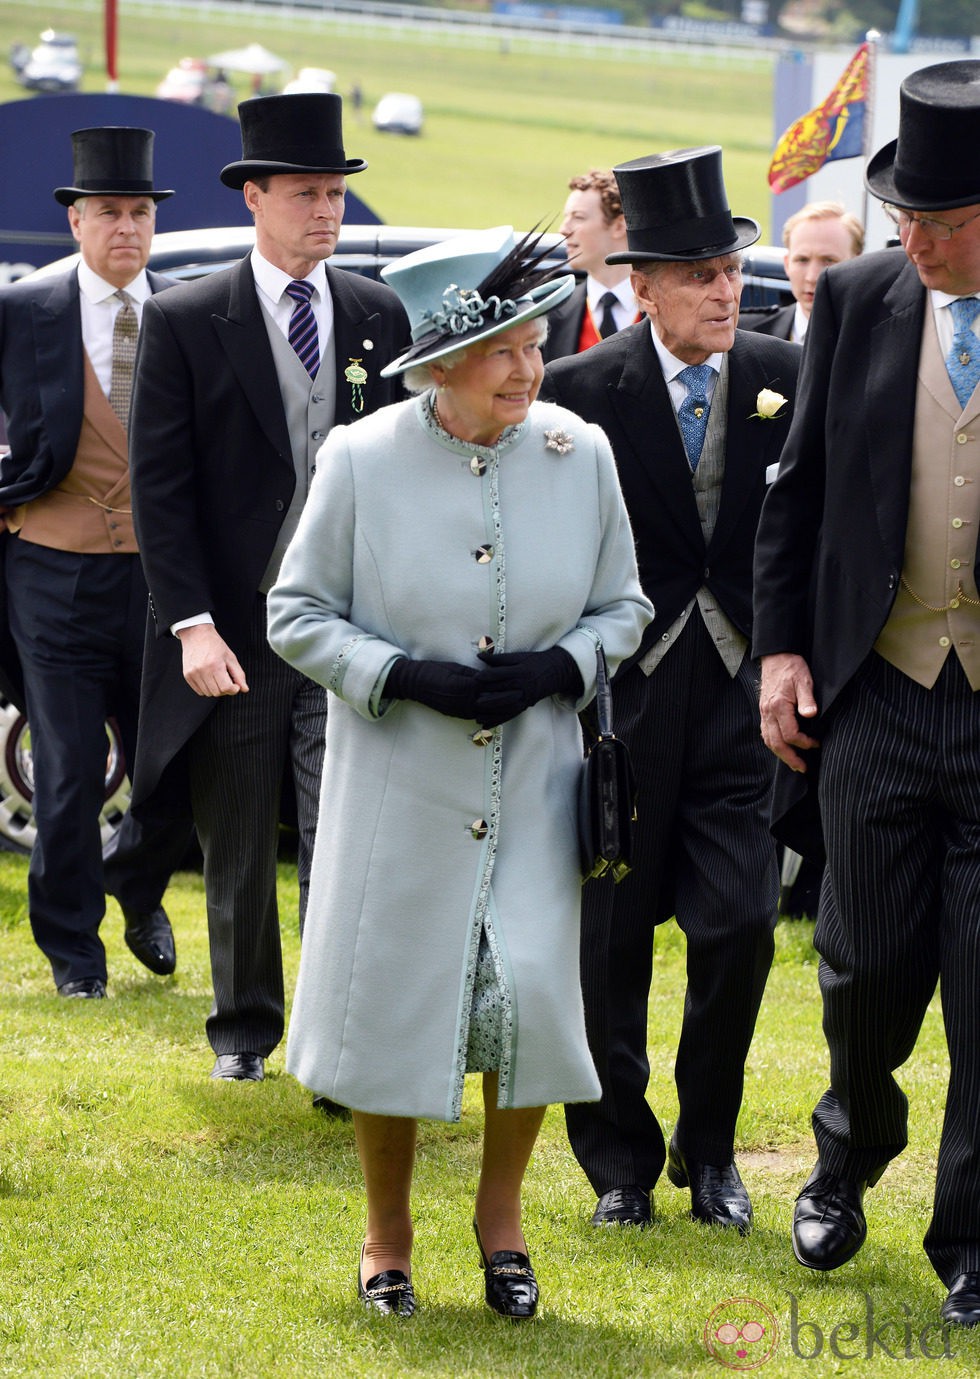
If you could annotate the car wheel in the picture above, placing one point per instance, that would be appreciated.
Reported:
(17, 827)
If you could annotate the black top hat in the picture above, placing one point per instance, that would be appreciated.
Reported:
(676, 207)
(297, 133)
(111, 160)
(934, 163)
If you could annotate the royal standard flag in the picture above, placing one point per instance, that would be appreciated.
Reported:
(834, 129)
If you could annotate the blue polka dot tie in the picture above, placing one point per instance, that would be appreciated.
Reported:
(693, 413)
(302, 326)
(963, 360)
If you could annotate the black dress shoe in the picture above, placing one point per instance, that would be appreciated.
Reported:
(828, 1221)
(623, 1206)
(150, 938)
(718, 1195)
(86, 989)
(509, 1283)
(389, 1292)
(239, 1067)
(962, 1305)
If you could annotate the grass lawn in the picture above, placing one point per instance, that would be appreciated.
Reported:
(505, 127)
(155, 1223)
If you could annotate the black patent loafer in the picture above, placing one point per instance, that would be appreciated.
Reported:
(718, 1195)
(389, 1293)
(962, 1305)
(628, 1205)
(510, 1286)
(829, 1225)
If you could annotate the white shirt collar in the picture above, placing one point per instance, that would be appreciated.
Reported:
(623, 292)
(96, 289)
(273, 281)
(671, 365)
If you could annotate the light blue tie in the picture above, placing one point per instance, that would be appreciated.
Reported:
(693, 413)
(963, 360)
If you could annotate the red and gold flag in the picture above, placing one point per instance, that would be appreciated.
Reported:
(832, 130)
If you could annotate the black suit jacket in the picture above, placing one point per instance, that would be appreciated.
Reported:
(776, 320)
(565, 326)
(42, 394)
(831, 541)
(619, 384)
(212, 467)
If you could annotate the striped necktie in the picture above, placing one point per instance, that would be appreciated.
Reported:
(124, 331)
(302, 326)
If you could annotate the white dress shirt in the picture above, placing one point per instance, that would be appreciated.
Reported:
(100, 307)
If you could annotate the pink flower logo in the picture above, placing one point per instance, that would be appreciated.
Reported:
(741, 1334)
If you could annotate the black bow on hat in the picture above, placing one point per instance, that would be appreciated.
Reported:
(676, 207)
(934, 164)
(295, 133)
(111, 160)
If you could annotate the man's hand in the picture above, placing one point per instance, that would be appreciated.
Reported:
(211, 668)
(787, 691)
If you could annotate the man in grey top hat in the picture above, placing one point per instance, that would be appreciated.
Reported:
(697, 412)
(76, 597)
(868, 612)
(240, 377)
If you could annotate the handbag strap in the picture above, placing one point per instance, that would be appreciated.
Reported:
(603, 695)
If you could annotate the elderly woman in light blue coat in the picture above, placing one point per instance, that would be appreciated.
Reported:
(459, 560)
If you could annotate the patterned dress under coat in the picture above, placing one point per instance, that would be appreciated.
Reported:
(434, 833)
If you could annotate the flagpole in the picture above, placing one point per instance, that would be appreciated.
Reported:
(872, 38)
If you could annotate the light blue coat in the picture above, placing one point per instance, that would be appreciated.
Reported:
(430, 830)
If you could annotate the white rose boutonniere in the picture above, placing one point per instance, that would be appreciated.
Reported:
(768, 405)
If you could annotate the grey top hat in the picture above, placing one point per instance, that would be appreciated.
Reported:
(111, 160)
(934, 164)
(676, 208)
(297, 133)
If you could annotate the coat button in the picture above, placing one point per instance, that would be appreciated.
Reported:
(482, 737)
(478, 466)
(483, 555)
(478, 828)
(318, 435)
(279, 505)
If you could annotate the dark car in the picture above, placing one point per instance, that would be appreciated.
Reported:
(187, 254)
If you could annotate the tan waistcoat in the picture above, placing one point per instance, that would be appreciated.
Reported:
(938, 607)
(90, 511)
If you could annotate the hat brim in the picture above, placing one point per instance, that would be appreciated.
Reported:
(426, 351)
(67, 196)
(235, 175)
(879, 178)
(747, 231)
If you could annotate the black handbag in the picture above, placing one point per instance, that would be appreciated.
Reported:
(607, 793)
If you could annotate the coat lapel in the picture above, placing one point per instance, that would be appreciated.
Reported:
(647, 430)
(59, 361)
(890, 404)
(357, 336)
(750, 442)
(243, 336)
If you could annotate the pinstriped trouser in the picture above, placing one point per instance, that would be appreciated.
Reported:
(703, 850)
(899, 911)
(237, 760)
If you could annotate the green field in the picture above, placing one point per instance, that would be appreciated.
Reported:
(157, 1225)
(504, 129)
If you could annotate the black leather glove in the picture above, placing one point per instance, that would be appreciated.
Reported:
(514, 681)
(445, 686)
